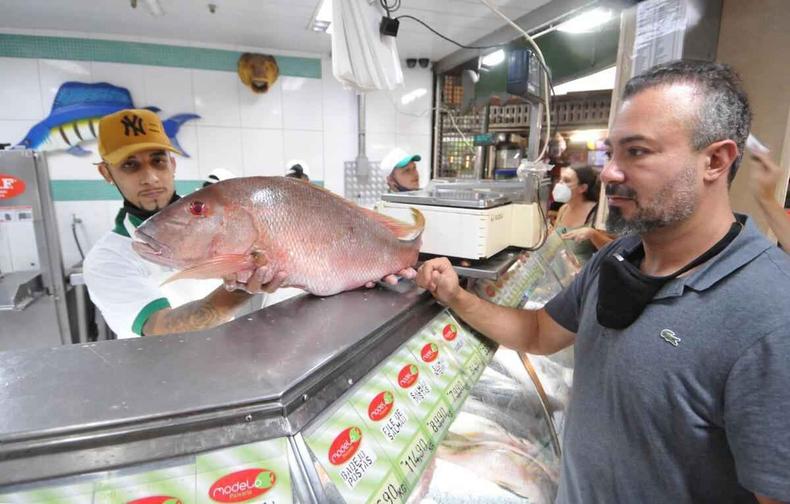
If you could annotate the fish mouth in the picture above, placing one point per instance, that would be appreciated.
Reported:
(152, 249)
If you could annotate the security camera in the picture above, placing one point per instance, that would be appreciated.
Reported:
(424, 62)
(411, 62)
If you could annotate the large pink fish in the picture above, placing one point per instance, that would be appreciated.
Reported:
(324, 243)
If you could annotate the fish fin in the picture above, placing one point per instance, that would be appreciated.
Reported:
(177, 145)
(216, 267)
(401, 230)
(173, 124)
(76, 150)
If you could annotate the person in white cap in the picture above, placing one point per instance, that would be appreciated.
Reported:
(218, 175)
(404, 175)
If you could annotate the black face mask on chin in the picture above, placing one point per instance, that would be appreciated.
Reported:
(624, 291)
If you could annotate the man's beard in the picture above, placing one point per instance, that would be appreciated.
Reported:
(675, 202)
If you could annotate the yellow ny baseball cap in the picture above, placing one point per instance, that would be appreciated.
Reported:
(129, 131)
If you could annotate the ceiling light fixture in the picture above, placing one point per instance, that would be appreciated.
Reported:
(586, 21)
(494, 58)
(322, 17)
(413, 95)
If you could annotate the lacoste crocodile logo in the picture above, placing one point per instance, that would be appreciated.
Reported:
(670, 337)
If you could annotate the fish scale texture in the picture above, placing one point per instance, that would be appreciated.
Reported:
(329, 244)
(324, 243)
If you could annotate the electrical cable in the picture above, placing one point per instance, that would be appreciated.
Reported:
(76, 240)
(546, 73)
(542, 60)
(448, 39)
(548, 91)
(539, 53)
(467, 143)
(390, 8)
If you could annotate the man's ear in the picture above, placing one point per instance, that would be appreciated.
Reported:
(105, 172)
(173, 163)
(719, 158)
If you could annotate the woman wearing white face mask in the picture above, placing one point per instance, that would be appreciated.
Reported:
(578, 189)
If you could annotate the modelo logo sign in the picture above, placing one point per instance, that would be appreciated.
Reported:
(429, 352)
(450, 332)
(380, 406)
(242, 485)
(345, 445)
(408, 375)
(158, 499)
(10, 186)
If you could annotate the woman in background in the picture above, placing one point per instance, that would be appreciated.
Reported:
(578, 188)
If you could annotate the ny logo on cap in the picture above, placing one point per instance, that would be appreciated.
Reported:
(133, 124)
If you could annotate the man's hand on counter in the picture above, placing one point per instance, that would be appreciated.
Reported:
(440, 279)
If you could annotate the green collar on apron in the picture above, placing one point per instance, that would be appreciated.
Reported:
(126, 223)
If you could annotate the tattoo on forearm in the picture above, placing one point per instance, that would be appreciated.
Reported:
(217, 308)
(202, 315)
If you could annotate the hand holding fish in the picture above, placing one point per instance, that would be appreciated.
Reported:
(262, 280)
(440, 279)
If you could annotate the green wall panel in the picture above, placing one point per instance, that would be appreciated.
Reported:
(34, 46)
(99, 190)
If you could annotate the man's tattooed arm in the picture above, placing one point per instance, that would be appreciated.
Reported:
(211, 311)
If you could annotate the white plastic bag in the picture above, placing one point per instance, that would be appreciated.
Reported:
(363, 59)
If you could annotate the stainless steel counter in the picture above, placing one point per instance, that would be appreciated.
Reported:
(81, 408)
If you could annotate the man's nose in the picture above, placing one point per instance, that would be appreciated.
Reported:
(150, 175)
(611, 173)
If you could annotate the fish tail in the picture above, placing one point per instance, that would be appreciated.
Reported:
(173, 124)
(177, 145)
(403, 232)
(419, 223)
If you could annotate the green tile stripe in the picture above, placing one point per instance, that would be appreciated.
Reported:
(139, 53)
(99, 190)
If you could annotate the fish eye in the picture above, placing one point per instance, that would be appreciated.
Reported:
(197, 208)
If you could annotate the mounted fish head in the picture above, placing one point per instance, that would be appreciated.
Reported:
(258, 71)
(207, 234)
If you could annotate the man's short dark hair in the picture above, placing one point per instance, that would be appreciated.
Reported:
(723, 112)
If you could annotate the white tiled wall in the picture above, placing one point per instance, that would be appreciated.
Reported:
(311, 121)
(402, 119)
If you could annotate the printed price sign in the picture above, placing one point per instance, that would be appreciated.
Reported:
(347, 449)
(444, 371)
(164, 486)
(256, 473)
(389, 417)
(81, 493)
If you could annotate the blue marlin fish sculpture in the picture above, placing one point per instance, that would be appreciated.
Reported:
(76, 111)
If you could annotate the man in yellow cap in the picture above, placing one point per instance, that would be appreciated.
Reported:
(136, 158)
